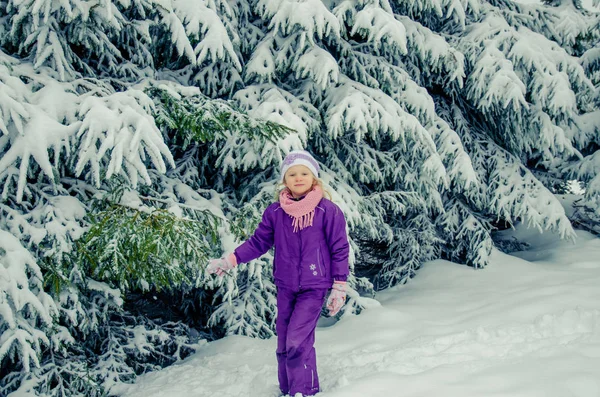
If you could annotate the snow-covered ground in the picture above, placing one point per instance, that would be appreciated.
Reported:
(526, 326)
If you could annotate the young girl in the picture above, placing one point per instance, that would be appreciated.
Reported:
(311, 256)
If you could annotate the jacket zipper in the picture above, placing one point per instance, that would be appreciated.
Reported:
(300, 261)
(319, 262)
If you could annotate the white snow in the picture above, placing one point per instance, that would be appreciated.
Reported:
(528, 325)
(312, 15)
(320, 65)
(378, 24)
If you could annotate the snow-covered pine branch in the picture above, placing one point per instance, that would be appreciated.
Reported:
(468, 231)
(414, 242)
(521, 78)
(564, 22)
(311, 17)
(450, 15)
(27, 312)
(516, 194)
(493, 83)
(205, 26)
(270, 103)
(262, 65)
(251, 310)
(120, 126)
(377, 72)
(588, 171)
(508, 190)
(319, 65)
(379, 26)
(366, 112)
(455, 158)
(116, 133)
(437, 59)
(41, 137)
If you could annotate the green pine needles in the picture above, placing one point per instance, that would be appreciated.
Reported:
(197, 119)
(135, 249)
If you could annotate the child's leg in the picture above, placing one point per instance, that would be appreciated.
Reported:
(286, 300)
(301, 363)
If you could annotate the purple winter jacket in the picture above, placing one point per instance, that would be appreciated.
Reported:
(309, 258)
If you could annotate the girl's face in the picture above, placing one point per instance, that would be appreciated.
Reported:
(299, 180)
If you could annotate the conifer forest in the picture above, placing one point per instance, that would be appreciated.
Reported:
(141, 138)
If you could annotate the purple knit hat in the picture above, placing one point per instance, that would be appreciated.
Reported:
(299, 157)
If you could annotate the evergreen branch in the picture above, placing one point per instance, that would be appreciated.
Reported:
(196, 119)
(191, 207)
(135, 249)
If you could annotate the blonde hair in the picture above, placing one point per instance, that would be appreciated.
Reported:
(316, 181)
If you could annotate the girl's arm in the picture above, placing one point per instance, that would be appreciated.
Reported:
(260, 242)
(337, 239)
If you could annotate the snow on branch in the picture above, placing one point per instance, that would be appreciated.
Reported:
(452, 153)
(456, 9)
(262, 63)
(368, 164)
(319, 65)
(555, 77)
(590, 60)
(188, 117)
(45, 29)
(415, 99)
(49, 48)
(12, 109)
(588, 170)
(454, 15)
(120, 125)
(146, 247)
(433, 50)
(469, 235)
(367, 115)
(550, 139)
(312, 16)
(45, 127)
(378, 72)
(420, 7)
(26, 311)
(562, 22)
(378, 25)
(522, 66)
(275, 123)
(179, 37)
(515, 193)
(249, 310)
(493, 83)
(41, 134)
(570, 24)
(289, 49)
(586, 129)
(204, 25)
(268, 102)
(592, 193)
(353, 107)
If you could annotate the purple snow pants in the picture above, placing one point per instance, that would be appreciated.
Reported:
(297, 317)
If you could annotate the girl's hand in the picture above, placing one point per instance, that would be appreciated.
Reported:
(337, 297)
(222, 265)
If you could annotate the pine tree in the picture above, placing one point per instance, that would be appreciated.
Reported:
(151, 133)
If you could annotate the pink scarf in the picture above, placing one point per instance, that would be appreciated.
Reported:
(302, 211)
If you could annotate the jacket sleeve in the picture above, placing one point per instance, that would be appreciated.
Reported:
(260, 242)
(337, 240)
